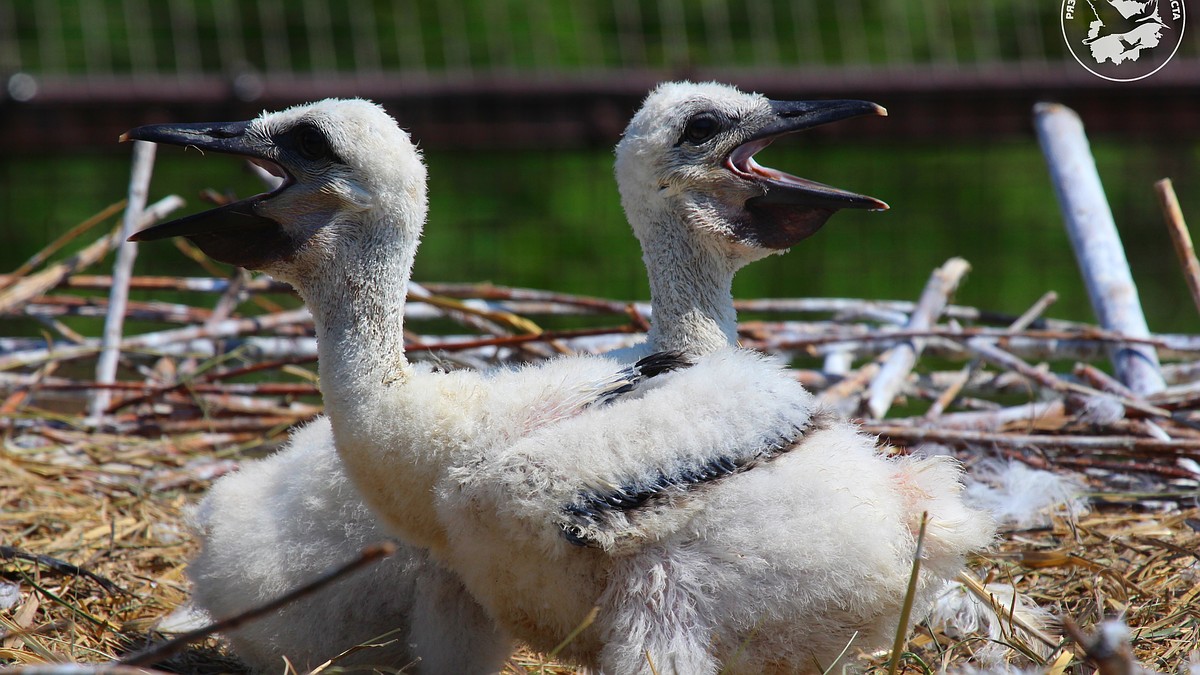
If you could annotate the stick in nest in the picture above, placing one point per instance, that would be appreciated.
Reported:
(171, 647)
(11, 553)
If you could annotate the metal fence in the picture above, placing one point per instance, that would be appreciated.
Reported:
(191, 37)
(571, 68)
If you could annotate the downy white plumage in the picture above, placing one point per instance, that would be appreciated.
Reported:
(716, 519)
(275, 524)
(281, 521)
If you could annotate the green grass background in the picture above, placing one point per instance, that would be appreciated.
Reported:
(553, 220)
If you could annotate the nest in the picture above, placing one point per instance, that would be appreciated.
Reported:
(97, 474)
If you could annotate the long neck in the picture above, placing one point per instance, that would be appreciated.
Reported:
(379, 410)
(359, 314)
(690, 288)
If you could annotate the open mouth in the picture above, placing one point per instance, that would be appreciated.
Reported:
(285, 178)
(781, 187)
(741, 162)
(792, 208)
(234, 233)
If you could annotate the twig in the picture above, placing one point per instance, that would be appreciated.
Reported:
(1123, 467)
(1101, 380)
(1133, 445)
(1097, 245)
(843, 396)
(100, 282)
(18, 397)
(514, 340)
(951, 392)
(151, 341)
(11, 553)
(60, 328)
(977, 589)
(235, 388)
(49, 306)
(11, 633)
(909, 596)
(139, 186)
(934, 298)
(38, 283)
(229, 298)
(171, 647)
(588, 620)
(1002, 358)
(1180, 237)
(989, 420)
(54, 246)
(238, 424)
(768, 305)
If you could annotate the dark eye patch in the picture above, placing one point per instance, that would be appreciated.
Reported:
(310, 143)
(701, 127)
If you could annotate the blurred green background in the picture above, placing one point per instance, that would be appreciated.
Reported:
(549, 217)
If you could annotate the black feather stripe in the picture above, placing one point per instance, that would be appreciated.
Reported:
(651, 366)
(662, 362)
(594, 509)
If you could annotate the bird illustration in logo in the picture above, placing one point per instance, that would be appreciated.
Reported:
(1129, 27)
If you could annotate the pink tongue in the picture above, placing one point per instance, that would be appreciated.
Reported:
(743, 155)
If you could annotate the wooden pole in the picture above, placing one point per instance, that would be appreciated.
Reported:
(1097, 245)
(114, 322)
(1180, 236)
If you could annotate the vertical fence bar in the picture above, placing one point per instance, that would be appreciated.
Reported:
(762, 26)
(318, 30)
(809, 42)
(51, 49)
(231, 48)
(630, 33)
(273, 28)
(140, 37)
(410, 40)
(95, 31)
(185, 37)
(718, 39)
(676, 52)
(10, 47)
(364, 28)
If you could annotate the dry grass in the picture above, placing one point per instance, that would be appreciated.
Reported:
(90, 500)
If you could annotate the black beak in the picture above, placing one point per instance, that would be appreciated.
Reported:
(794, 208)
(234, 233)
(797, 115)
(226, 137)
(782, 188)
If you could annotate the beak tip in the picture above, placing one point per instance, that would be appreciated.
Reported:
(880, 110)
(123, 138)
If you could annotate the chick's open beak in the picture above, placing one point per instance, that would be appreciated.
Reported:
(783, 188)
(793, 208)
(234, 233)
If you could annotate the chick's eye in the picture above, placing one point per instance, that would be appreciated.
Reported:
(311, 143)
(700, 128)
